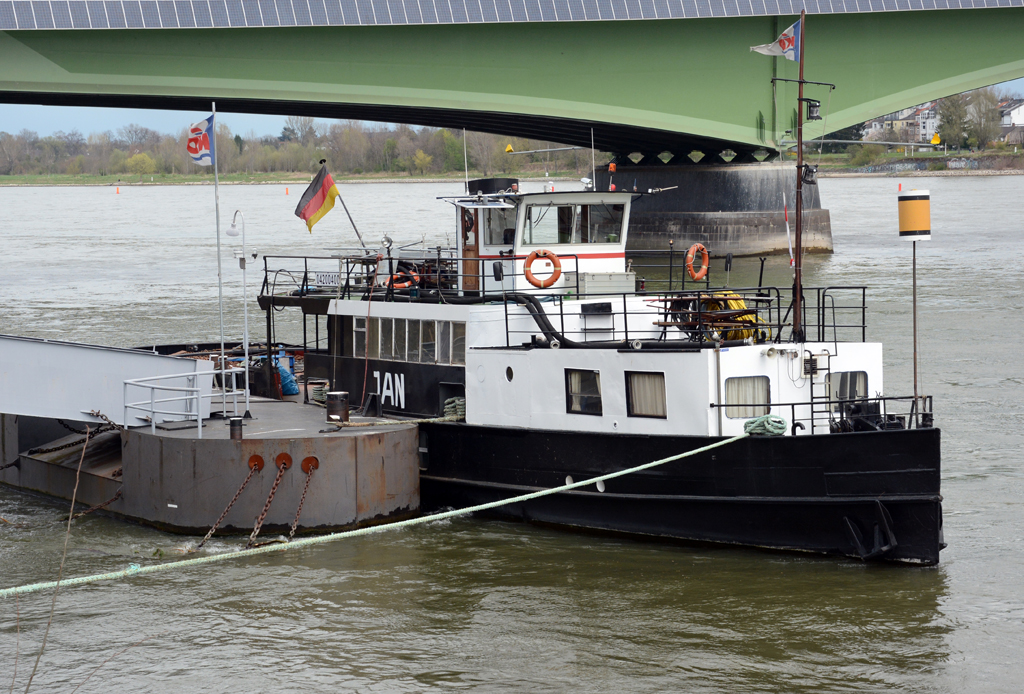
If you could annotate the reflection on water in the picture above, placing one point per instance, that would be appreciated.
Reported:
(470, 604)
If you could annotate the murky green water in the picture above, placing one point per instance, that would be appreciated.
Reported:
(495, 606)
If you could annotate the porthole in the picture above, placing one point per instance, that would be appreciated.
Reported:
(508, 374)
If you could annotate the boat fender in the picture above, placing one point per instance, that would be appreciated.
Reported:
(691, 256)
(555, 274)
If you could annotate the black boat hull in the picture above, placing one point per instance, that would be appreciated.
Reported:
(871, 495)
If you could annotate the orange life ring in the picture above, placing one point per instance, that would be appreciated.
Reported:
(691, 255)
(555, 274)
(413, 278)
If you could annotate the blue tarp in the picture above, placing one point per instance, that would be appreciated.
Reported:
(288, 384)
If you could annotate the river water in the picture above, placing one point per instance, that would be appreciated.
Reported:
(492, 606)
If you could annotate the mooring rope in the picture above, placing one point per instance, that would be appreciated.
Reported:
(766, 425)
(137, 570)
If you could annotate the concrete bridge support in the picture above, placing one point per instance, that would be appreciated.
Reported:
(730, 208)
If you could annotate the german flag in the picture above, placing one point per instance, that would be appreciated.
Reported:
(318, 199)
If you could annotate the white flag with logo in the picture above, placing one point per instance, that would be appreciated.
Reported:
(787, 45)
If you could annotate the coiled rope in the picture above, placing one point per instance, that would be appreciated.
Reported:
(137, 570)
(766, 425)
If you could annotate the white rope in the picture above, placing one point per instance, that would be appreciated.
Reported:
(137, 570)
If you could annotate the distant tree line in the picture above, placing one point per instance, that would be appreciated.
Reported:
(352, 147)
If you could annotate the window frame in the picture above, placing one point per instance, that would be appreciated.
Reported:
(569, 394)
(767, 405)
(629, 394)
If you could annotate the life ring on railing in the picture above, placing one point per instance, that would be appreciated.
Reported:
(691, 256)
(403, 279)
(555, 274)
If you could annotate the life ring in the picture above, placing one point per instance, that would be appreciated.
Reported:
(555, 274)
(691, 255)
(403, 280)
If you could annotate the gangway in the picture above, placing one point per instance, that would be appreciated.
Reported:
(69, 380)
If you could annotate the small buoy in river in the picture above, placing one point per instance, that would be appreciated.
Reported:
(117, 191)
(915, 215)
(286, 191)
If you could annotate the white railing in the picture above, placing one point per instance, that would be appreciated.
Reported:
(192, 396)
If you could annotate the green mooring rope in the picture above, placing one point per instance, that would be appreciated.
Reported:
(766, 425)
(137, 570)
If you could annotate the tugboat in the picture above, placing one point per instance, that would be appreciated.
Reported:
(571, 367)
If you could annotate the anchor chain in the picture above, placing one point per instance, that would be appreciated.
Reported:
(105, 418)
(255, 465)
(97, 507)
(92, 434)
(11, 464)
(70, 428)
(284, 461)
(309, 464)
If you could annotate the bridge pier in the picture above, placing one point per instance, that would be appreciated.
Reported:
(729, 207)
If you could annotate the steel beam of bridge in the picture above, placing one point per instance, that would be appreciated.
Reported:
(649, 85)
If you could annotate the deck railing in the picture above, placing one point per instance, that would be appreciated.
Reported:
(192, 396)
(692, 311)
(849, 415)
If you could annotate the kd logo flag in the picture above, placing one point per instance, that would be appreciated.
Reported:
(787, 45)
(200, 142)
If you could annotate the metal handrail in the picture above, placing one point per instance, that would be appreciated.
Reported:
(920, 413)
(194, 395)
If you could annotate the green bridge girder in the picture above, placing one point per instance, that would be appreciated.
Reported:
(639, 85)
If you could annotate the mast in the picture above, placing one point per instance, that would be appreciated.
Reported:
(798, 329)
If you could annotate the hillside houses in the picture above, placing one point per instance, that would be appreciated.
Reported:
(1011, 121)
(915, 124)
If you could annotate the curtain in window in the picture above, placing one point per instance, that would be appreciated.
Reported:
(575, 385)
(584, 396)
(751, 395)
(647, 395)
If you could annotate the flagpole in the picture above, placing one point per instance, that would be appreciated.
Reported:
(798, 330)
(220, 282)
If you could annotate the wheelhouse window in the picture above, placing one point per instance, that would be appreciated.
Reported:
(747, 396)
(645, 394)
(499, 226)
(573, 224)
(847, 385)
(583, 392)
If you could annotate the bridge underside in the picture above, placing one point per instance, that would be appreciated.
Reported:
(649, 86)
(608, 137)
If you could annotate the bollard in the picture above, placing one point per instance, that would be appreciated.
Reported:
(337, 406)
(235, 423)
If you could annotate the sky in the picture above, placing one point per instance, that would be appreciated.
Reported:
(46, 120)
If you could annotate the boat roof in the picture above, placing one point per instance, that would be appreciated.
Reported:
(501, 200)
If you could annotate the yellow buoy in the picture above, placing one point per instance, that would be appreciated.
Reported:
(915, 215)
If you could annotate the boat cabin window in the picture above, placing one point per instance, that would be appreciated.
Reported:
(499, 226)
(847, 385)
(747, 396)
(583, 392)
(645, 394)
(410, 340)
(572, 224)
